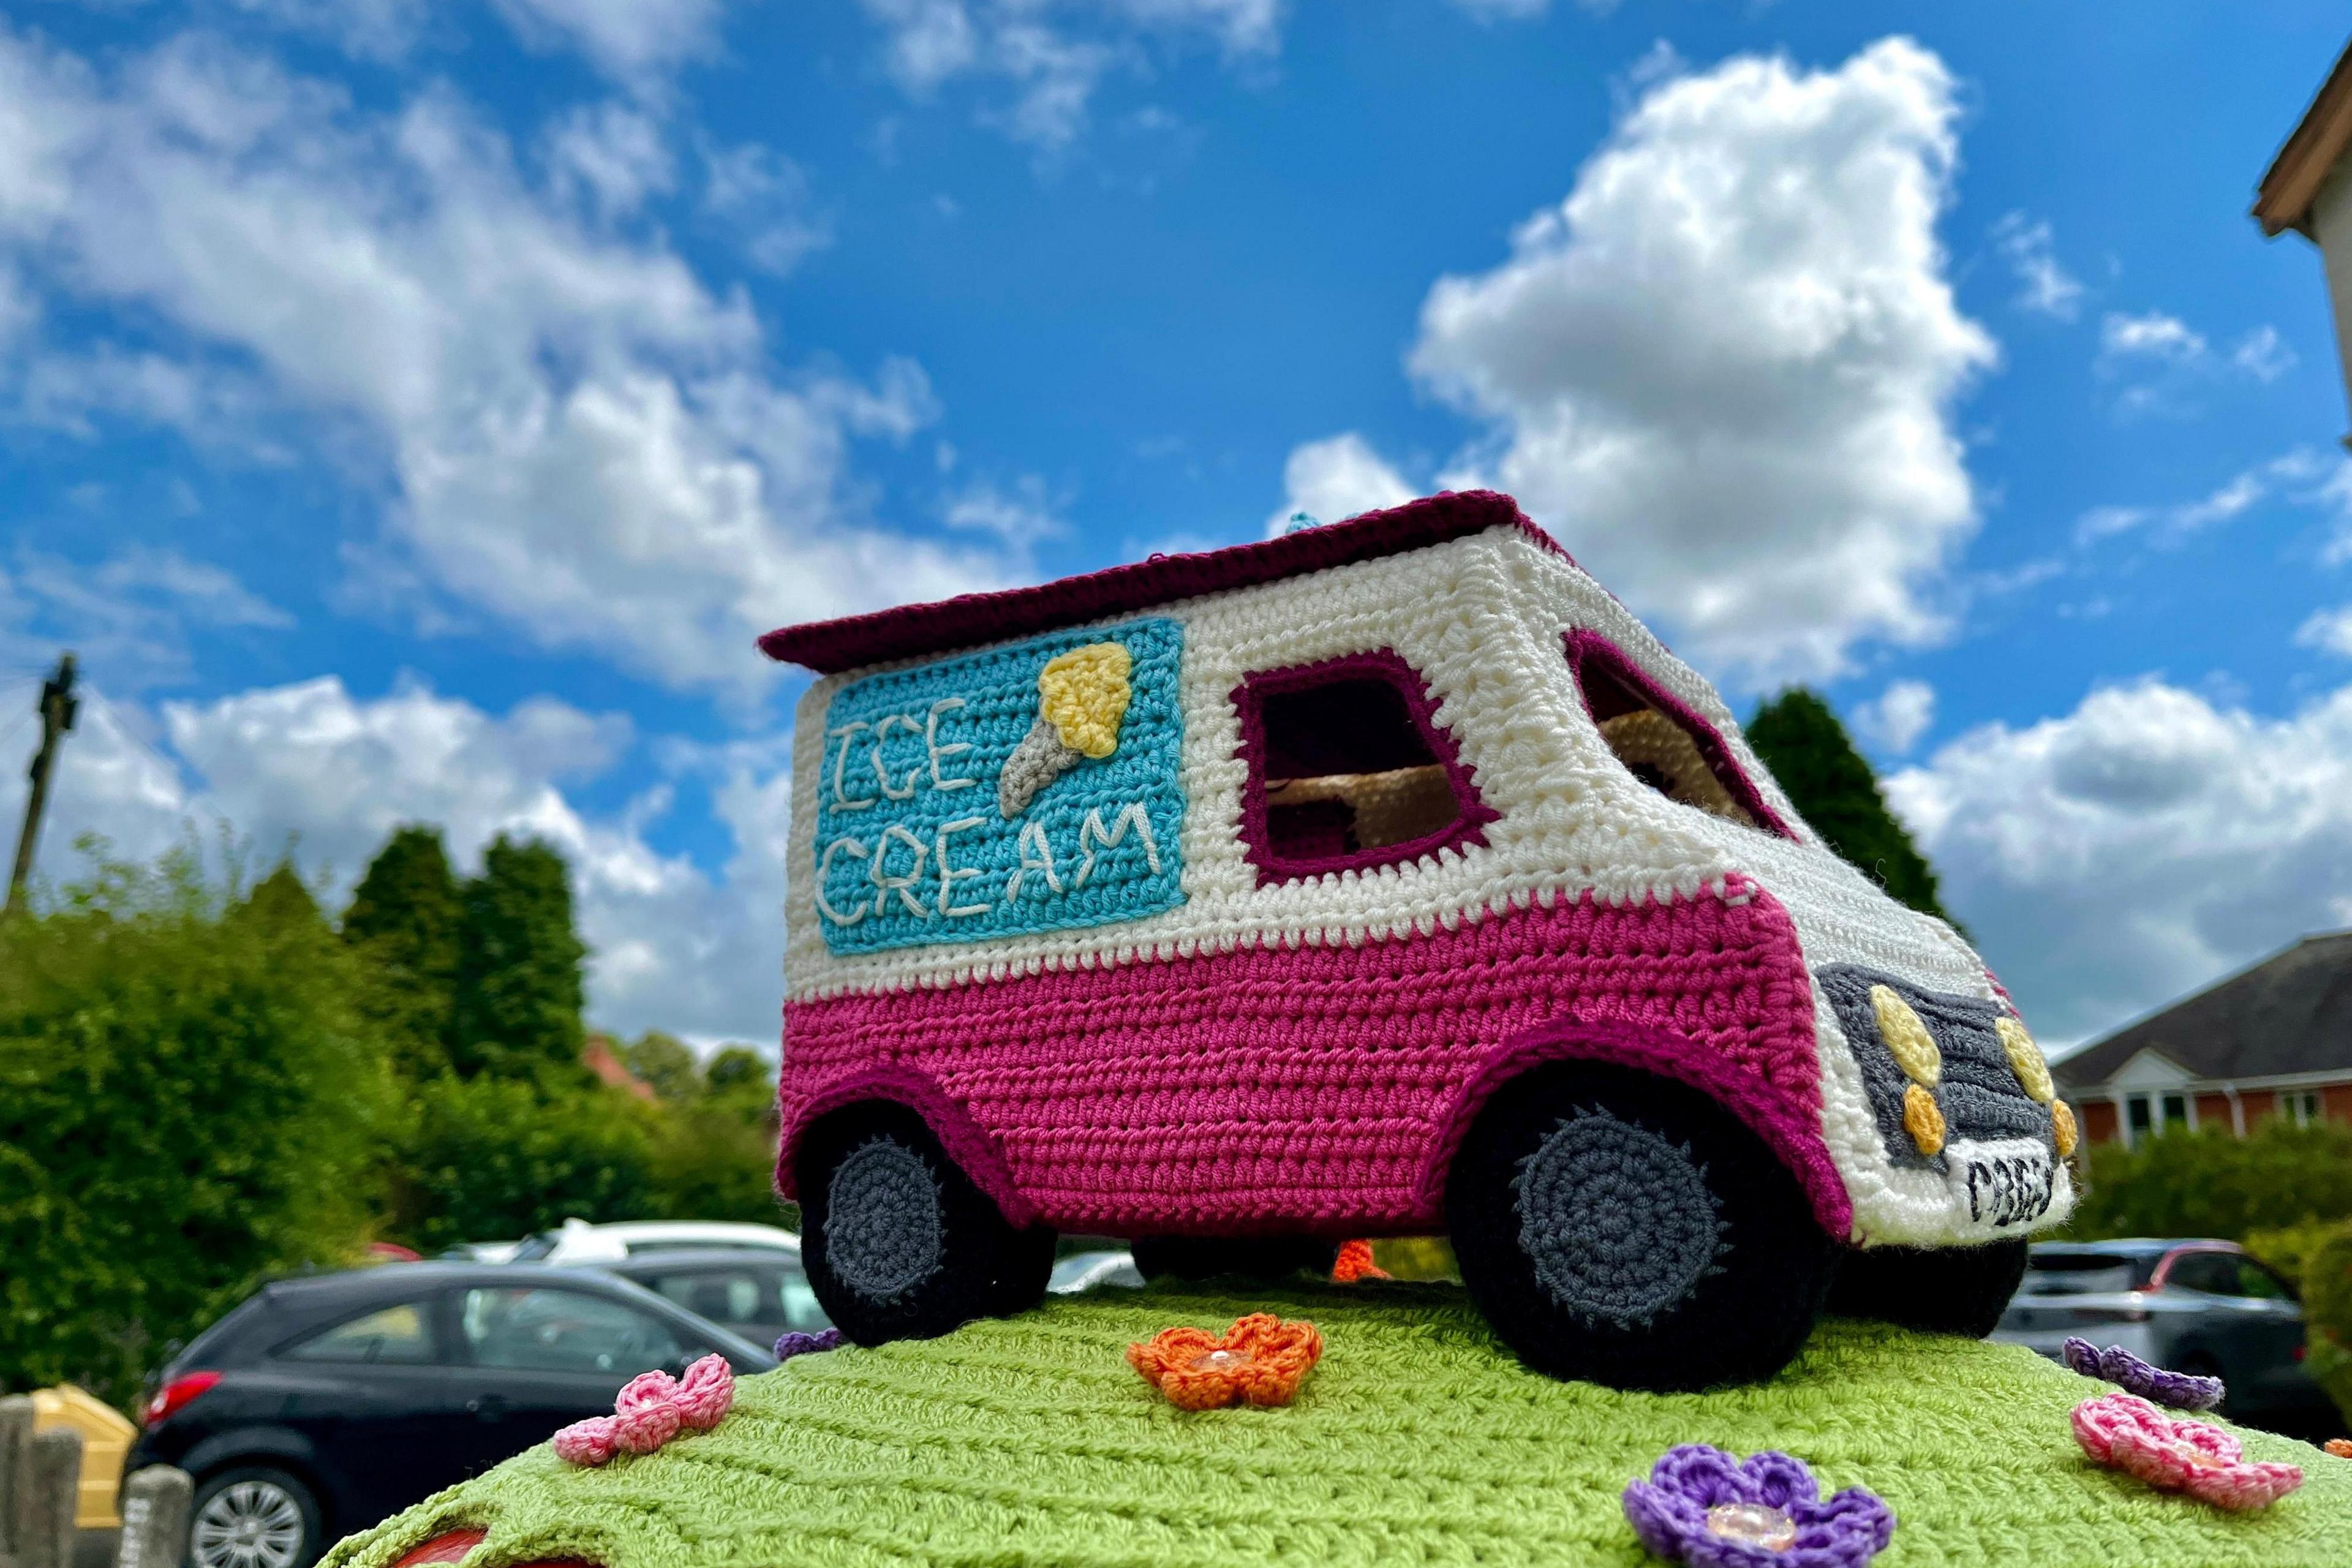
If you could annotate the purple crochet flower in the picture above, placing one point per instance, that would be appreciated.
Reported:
(2119, 1365)
(1704, 1508)
(798, 1343)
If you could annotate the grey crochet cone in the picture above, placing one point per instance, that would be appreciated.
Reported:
(1036, 761)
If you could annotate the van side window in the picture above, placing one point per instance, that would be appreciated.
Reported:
(1349, 769)
(1660, 741)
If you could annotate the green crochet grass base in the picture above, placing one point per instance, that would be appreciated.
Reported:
(1417, 1439)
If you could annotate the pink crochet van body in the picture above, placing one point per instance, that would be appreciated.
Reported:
(1269, 892)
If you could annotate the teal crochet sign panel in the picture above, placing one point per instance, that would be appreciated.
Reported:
(1029, 788)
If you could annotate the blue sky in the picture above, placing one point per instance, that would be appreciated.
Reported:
(412, 410)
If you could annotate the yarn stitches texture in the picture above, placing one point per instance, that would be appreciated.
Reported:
(1245, 1040)
(1029, 1441)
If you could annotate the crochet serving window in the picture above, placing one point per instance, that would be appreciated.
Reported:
(1660, 741)
(1349, 769)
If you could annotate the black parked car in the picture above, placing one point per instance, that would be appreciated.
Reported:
(321, 1405)
(758, 1293)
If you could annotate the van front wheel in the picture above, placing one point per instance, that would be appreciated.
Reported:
(899, 1242)
(1618, 1228)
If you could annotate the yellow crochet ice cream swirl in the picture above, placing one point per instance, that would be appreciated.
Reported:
(1084, 695)
(1082, 698)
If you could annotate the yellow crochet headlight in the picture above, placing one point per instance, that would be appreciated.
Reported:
(1906, 1037)
(2025, 1060)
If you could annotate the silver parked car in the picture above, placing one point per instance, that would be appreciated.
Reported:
(2201, 1307)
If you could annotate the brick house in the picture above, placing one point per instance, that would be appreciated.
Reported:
(2271, 1040)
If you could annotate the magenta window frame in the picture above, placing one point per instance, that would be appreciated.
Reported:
(1591, 647)
(1384, 664)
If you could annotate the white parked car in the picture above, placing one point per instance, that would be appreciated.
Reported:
(577, 1241)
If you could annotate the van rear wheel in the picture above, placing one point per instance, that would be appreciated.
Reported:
(899, 1242)
(1621, 1229)
(1938, 1289)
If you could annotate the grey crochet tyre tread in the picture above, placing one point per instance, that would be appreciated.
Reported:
(897, 1241)
(1618, 1228)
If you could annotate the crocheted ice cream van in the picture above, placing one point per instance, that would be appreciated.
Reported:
(1385, 878)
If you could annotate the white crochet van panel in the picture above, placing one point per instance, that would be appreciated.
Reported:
(1504, 696)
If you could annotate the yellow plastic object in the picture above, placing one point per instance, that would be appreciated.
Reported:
(1906, 1037)
(106, 1439)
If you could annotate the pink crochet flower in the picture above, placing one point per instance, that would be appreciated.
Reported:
(651, 1410)
(2130, 1433)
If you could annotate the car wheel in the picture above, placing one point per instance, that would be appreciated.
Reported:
(1938, 1289)
(253, 1516)
(1260, 1257)
(899, 1242)
(1621, 1229)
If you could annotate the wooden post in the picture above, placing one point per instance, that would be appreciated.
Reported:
(56, 1484)
(57, 710)
(155, 1502)
(16, 1474)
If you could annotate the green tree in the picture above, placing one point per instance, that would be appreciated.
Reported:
(1805, 747)
(665, 1062)
(405, 916)
(281, 897)
(189, 1101)
(518, 992)
(736, 1069)
(494, 1157)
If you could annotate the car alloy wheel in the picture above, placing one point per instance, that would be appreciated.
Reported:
(255, 1520)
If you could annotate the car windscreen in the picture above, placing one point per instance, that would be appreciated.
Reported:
(530, 1249)
(2059, 1273)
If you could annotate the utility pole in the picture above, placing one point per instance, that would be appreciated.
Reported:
(57, 710)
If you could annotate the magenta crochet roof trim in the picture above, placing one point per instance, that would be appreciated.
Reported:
(1279, 863)
(1590, 649)
(969, 619)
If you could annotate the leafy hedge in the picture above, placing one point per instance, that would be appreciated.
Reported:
(188, 1101)
(2210, 1182)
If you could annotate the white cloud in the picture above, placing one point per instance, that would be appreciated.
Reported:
(2165, 367)
(2151, 336)
(1020, 516)
(609, 156)
(1721, 369)
(311, 767)
(760, 199)
(2043, 285)
(2130, 851)
(366, 29)
(127, 617)
(2302, 477)
(2330, 631)
(634, 41)
(2262, 354)
(1337, 477)
(1052, 55)
(1895, 720)
(575, 434)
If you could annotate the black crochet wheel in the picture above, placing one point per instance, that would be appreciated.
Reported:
(1941, 1289)
(1618, 1228)
(898, 1242)
(1263, 1258)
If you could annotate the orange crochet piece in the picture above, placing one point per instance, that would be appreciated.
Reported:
(1354, 1263)
(1260, 1360)
(2339, 1446)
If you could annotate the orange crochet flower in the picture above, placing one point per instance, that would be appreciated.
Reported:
(1354, 1263)
(1261, 1359)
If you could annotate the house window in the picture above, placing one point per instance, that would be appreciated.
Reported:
(2303, 1105)
(2139, 1116)
(1349, 769)
(2177, 1112)
(1660, 741)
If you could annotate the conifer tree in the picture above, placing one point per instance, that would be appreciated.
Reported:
(518, 994)
(404, 917)
(1833, 789)
(281, 899)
